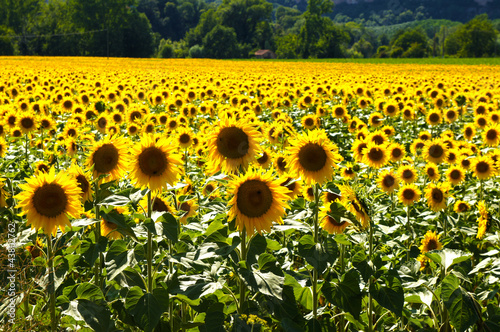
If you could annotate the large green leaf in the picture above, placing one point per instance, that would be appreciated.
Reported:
(459, 303)
(170, 226)
(267, 283)
(314, 253)
(115, 200)
(98, 317)
(118, 258)
(147, 312)
(448, 257)
(346, 294)
(388, 292)
(133, 296)
(88, 291)
(257, 246)
(90, 251)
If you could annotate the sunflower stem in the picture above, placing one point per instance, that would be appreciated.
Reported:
(243, 257)
(51, 286)
(409, 231)
(316, 235)
(171, 270)
(26, 147)
(150, 246)
(97, 264)
(370, 298)
(480, 190)
(342, 270)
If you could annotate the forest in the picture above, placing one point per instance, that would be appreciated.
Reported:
(238, 28)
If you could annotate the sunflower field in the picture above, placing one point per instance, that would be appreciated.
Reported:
(205, 195)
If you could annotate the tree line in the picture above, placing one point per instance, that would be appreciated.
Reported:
(228, 29)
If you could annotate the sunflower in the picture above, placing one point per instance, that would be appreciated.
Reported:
(491, 135)
(407, 174)
(358, 148)
(483, 220)
(378, 137)
(388, 181)
(102, 122)
(455, 175)
(376, 119)
(26, 122)
(483, 167)
(350, 200)
(434, 117)
(461, 206)
(339, 111)
(349, 172)
(330, 224)
(330, 197)
(312, 156)
(388, 130)
(417, 146)
(109, 156)
(48, 199)
(161, 204)
(376, 156)
(292, 185)
(264, 159)
(154, 163)
(258, 200)
(436, 196)
(430, 242)
(464, 162)
(435, 151)
(209, 188)
(308, 192)
(391, 109)
(308, 121)
(184, 138)
(481, 121)
(82, 179)
(188, 209)
(409, 194)
(109, 229)
(232, 145)
(469, 132)
(3, 195)
(3, 147)
(432, 172)
(133, 129)
(408, 114)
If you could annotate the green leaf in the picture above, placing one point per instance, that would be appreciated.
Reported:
(257, 246)
(360, 262)
(342, 239)
(459, 303)
(424, 297)
(267, 283)
(133, 296)
(115, 200)
(266, 261)
(289, 325)
(147, 312)
(90, 251)
(388, 292)
(214, 319)
(448, 257)
(303, 295)
(118, 258)
(119, 220)
(170, 226)
(346, 294)
(313, 253)
(97, 316)
(83, 222)
(88, 291)
(214, 227)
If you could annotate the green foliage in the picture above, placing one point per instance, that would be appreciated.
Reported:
(288, 47)
(165, 50)
(476, 38)
(221, 43)
(410, 44)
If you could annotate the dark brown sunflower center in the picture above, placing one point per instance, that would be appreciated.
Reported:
(309, 122)
(184, 138)
(339, 111)
(43, 168)
(407, 113)
(82, 183)
(105, 158)
(388, 181)
(349, 171)
(232, 143)
(254, 198)
(451, 115)
(462, 207)
(491, 134)
(375, 154)
(281, 163)
(468, 131)
(437, 195)
(361, 147)
(27, 123)
(465, 163)
(11, 120)
(152, 161)
(431, 245)
(330, 197)
(312, 157)
(396, 153)
(376, 119)
(159, 205)
(409, 194)
(434, 117)
(263, 159)
(50, 200)
(455, 174)
(407, 174)
(72, 132)
(45, 123)
(482, 167)
(209, 188)
(102, 122)
(391, 109)
(378, 139)
(335, 222)
(68, 104)
(436, 151)
(481, 122)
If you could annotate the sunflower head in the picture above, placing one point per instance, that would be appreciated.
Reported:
(49, 199)
(329, 223)
(409, 194)
(430, 242)
(436, 196)
(258, 200)
(109, 157)
(388, 181)
(483, 167)
(312, 156)
(376, 156)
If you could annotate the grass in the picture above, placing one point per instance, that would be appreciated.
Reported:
(423, 61)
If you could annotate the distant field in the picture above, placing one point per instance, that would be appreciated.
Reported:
(424, 61)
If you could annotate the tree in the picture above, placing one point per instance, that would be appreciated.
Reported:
(314, 26)
(208, 21)
(288, 46)
(221, 43)
(410, 43)
(476, 38)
